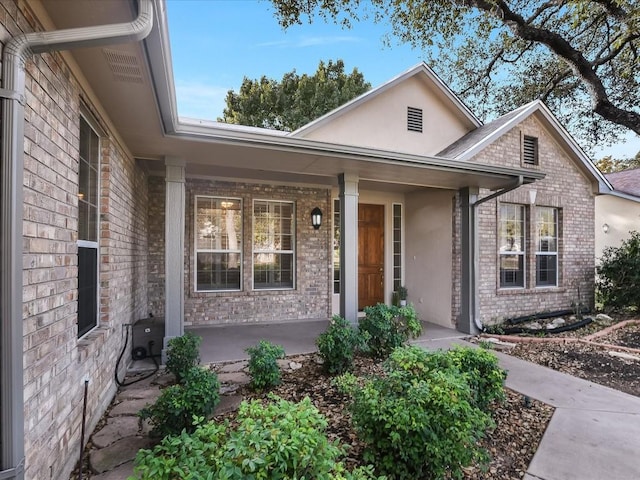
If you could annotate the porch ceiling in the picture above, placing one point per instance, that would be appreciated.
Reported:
(134, 85)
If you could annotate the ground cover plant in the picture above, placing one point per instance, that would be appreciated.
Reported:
(263, 364)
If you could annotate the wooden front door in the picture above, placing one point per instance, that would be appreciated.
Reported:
(370, 255)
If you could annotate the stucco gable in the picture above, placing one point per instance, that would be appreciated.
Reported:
(379, 118)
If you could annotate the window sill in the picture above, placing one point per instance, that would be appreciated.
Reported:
(530, 291)
(92, 341)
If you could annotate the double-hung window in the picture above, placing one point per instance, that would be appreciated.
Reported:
(89, 164)
(273, 245)
(511, 238)
(218, 239)
(546, 246)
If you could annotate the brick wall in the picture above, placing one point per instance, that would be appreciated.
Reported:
(309, 300)
(565, 188)
(55, 361)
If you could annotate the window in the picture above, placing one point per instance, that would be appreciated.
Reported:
(530, 150)
(218, 243)
(336, 246)
(89, 163)
(546, 246)
(397, 246)
(414, 119)
(511, 236)
(273, 244)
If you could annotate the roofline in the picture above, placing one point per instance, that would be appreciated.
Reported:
(158, 51)
(415, 70)
(626, 196)
(526, 111)
(218, 134)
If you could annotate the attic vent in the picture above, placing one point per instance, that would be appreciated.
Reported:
(124, 66)
(530, 150)
(414, 119)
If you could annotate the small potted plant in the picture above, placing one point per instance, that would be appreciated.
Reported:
(402, 295)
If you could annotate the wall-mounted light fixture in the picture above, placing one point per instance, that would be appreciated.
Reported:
(605, 227)
(532, 197)
(316, 218)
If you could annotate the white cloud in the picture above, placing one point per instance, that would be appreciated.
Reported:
(199, 100)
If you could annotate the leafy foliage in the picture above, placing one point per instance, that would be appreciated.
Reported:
(609, 164)
(183, 354)
(178, 405)
(295, 100)
(338, 345)
(419, 426)
(263, 364)
(279, 440)
(579, 56)
(618, 275)
(387, 327)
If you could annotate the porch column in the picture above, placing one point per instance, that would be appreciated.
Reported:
(174, 250)
(349, 247)
(469, 261)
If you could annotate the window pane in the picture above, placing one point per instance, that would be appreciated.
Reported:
(511, 270)
(547, 229)
(511, 228)
(87, 289)
(218, 234)
(218, 271)
(273, 244)
(336, 246)
(273, 270)
(546, 270)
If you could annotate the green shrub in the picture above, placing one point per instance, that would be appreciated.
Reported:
(387, 327)
(419, 427)
(279, 440)
(478, 366)
(337, 345)
(263, 364)
(175, 409)
(618, 275)
(182, 354)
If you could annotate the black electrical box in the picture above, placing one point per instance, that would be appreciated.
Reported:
(147, 338)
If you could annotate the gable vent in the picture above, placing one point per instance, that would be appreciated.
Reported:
(530, 150)
(124, 66)
(414, 119)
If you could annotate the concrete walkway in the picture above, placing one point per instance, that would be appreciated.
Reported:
(594, 433)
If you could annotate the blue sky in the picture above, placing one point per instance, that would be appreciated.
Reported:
(215, 43)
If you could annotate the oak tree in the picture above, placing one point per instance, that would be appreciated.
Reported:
(579, 56)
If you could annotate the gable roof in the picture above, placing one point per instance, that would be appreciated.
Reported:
(468, 146)
(626, 181)
(421, 69)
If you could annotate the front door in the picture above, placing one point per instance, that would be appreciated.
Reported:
(370, 255)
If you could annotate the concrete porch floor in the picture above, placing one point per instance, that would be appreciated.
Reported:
(228, 342)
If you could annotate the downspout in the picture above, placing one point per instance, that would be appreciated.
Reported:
(474, 244)
(14, 57)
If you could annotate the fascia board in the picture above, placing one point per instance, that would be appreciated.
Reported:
(626, 196)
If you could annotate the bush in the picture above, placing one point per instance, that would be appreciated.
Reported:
(618, 275)
(263, 364)
(387, 327)
(419, 427)
(182, 354)
(280, 440)
(175, 409)
(337, 345)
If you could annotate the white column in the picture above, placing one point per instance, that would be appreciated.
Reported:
(349, 247)
(174, 249)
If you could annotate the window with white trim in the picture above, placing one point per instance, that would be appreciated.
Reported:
(336, 246)
(397, 246)
(273, 245)
(546, 246)
(89, 165)
(218, 243)
(511, 245)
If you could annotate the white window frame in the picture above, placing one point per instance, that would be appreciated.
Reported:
(214, 250)
(556, 214)
(292, 252)
(521, 252)
(91, 244)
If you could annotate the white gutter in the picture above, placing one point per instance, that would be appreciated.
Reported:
(14, 57)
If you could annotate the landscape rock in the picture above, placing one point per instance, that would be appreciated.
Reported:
(238, 378)
(117, 453)
(130, 407)
(123, 471)
(625, 356)
(233, 367)
(228, 403)
(115, 429)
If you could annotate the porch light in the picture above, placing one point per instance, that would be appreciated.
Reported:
(316, 218)
(605, 227)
